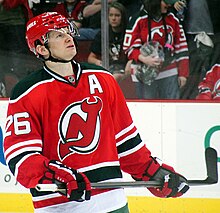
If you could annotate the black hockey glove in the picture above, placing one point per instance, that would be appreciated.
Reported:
(173, 184)
(78, 186)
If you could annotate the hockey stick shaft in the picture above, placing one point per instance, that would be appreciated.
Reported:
(212, 178)
(112, 185)
(103, 185)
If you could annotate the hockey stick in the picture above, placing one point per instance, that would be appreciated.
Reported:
(212, 178)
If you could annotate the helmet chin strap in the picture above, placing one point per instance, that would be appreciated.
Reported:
(56, 60)
(51, 58)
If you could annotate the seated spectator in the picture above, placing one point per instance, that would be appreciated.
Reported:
(12, 39)
(132, 6)
(26, 6)
(71, 9)
(12, 28)
(117, 58)
(209, 87)
(91, 20)
(41, 6)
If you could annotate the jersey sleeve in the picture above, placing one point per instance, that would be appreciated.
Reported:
(22, 142)
(181, 49)
(132, 41)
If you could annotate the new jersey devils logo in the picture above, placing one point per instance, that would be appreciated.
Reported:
(79, 127)
(157, 33)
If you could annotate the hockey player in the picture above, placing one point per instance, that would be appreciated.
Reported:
(209, 87)
(155, 23)
(69, 123)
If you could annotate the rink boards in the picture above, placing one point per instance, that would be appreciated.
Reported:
(177, 133)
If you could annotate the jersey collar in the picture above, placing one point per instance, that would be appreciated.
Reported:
(77, 73)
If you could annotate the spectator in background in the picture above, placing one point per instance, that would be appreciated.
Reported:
(179, 9)
(117, 58)
(13, 18)
(214, 8)
(40, 6)
(92, 16)
(132, 6)
(26, 6)
(12, 26)
(209, 87)
(71, 9)
(154, 23)
(199, 34)
(91, 20)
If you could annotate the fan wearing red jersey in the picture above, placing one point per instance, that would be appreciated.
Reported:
(154, 23)
(63, 117)
(209, 87)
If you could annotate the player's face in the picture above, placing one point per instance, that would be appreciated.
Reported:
(61, 44)
(164, 7)
(114, 17)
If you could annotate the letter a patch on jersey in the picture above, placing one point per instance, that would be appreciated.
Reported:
(79, 128)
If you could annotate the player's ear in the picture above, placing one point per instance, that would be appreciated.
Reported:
(42, 50)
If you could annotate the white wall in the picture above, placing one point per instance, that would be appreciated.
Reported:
(174, 132)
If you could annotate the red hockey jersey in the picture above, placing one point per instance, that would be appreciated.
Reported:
(209, 88)
(84, 123)
(138, 31)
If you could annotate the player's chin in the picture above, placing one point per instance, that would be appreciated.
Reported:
(72, 53)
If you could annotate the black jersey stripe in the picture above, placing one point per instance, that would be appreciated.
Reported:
(129, 144)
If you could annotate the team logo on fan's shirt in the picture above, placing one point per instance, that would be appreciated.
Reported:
(157, 34)
(79, 127)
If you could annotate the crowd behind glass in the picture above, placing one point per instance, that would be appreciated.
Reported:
(201, 34)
